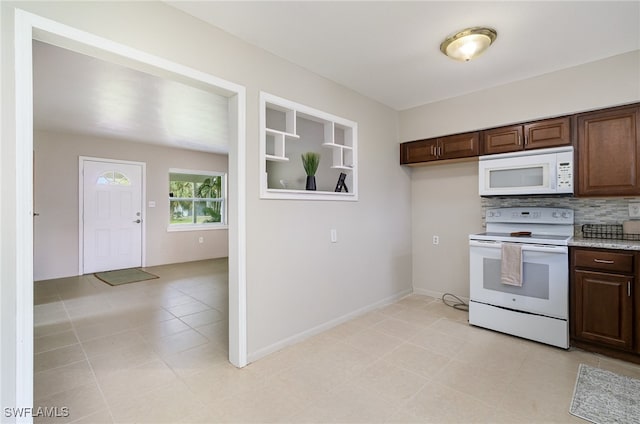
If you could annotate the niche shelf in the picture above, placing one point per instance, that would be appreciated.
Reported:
(338, 138)
(288, 129)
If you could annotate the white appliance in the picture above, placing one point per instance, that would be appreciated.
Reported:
(539, 309)
(543, 171)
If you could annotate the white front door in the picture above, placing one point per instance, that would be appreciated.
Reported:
(112, 215)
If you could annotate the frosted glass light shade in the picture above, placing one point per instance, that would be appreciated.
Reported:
(468, 43)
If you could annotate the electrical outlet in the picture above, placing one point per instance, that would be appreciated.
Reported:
(634, 210)
(436, 240)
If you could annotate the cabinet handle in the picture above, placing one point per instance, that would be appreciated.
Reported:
(439, 151)
(432, 152)
(603, 261)
(526, 140)
(629, 288)
(519, 140)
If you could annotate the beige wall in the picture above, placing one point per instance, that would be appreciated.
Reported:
(296, 279)
(445, 199)
(56, 200)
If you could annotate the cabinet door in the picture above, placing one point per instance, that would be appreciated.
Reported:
(609, 153)
(418, 151)
(547, 133)
(502, 140)
(604, 308)
(459, 146)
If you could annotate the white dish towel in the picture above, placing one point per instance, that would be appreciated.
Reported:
(511, 269)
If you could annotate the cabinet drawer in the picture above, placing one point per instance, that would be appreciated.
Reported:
(605, 261)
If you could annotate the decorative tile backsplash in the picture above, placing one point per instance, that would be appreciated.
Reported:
(586, 210)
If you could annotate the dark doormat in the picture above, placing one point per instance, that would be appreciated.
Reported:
(124, 276)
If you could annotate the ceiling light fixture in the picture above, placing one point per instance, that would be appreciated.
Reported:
(468, 43)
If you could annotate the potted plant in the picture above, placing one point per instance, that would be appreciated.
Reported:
(310, 161)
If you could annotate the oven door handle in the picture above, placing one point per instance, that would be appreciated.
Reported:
(525, 247)
(487, 243)
(546, 249)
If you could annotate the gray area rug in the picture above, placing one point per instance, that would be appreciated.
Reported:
(604, 397)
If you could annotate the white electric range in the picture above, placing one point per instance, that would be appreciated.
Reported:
(539, 308)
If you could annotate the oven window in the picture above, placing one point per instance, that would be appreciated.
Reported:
(519, 177)
(534, 284)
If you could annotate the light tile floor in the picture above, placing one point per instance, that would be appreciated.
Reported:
(156, 352)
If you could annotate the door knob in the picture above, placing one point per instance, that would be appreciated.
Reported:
(137, 221)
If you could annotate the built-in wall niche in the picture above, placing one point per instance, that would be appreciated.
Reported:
(288, 130)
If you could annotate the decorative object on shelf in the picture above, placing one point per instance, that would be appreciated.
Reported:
(468, 43)
(341, 184)
(310, 161)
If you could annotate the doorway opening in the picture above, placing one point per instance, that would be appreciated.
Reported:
(29, 27)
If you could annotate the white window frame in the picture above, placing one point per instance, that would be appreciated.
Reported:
(222, 225)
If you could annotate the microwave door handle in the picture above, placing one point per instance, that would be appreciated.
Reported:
(553, 175)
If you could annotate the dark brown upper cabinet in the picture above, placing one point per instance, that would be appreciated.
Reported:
(535, 135)
(418, 151)
(449, 147)
(608, 152)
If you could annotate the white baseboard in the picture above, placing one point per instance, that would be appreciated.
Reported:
(436, 294)
(261, 353)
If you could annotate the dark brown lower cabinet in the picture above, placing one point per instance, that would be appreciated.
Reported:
(604, 309)
(604, 302)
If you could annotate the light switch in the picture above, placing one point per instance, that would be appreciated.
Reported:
(334, 235)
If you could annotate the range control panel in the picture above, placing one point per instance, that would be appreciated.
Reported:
(530, 215)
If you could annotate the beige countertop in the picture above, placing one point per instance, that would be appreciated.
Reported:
(579, 241)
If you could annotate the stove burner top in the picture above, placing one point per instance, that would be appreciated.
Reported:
(531, 225)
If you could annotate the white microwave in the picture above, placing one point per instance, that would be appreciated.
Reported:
(543, 171)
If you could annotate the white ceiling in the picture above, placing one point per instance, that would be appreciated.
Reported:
(79, 94)
(389, 50)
